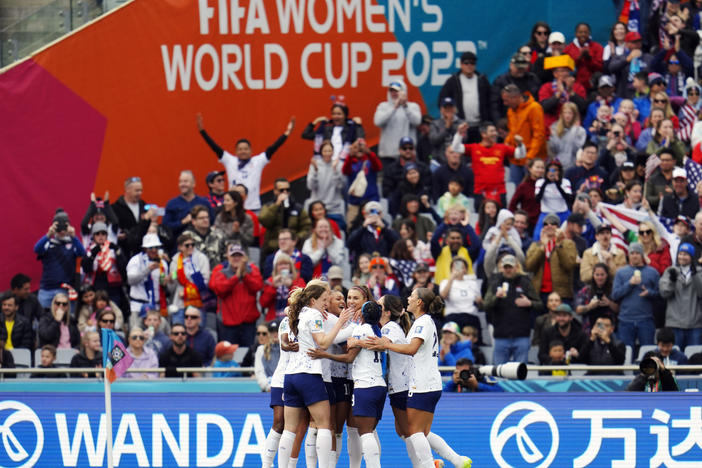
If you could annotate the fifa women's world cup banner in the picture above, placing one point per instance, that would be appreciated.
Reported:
(118, 98)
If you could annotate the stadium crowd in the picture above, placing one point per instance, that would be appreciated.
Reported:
(557, 207)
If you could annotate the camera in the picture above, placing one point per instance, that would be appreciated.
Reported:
(373, 211)
(61, 226)
(648, 366)
(508, 370)
(617, 133)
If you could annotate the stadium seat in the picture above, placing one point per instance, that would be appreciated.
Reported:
(254, 255)
(211, 320)
(534, 355)
(64, 356)
(240, 354)
(488, 351)
(213, 333)
(22, 357)
(643, 350)
(692, 349)
(627, 358)
(485, 329)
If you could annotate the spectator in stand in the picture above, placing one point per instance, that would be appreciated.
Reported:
(422, 226)
(286, 245)
(501, 238)
(510, 303)
(681, 287)
(587, 55)
(190, 272)
(587, 174)
(556, 47)
(362, 273)
(341, 130)
(361, 168)
(461, 295)
(626, 65)
(208, 240)
(373, 235)
(589, 220)
(99, 211)
(15, 330)
(277, 287)
(562, 89)
(395, 172)
(656, 249)
(442, 130)
(568, 331)
(199, 339)
(156, 339)
(267, 354)
(567, 136)
(687, 115)
(665, 340)
(470, 91)
(603, 348)
(88, 316)
(217, 185)
(423, 143)
(178, 216)
(411, 184)
(236, 282)
(666, 140)
(539, 40)
(695, 238)
(453, 167)
(323, 248)
(258, 230)
(682, 201)
(623, 177)
(593, 300)
(144, 358)
(317, 210)
(224, 358)
(627, 117)
(456, 216)
(397, 118)
(605, 96)
(57, 251)
(104, 264)
(487, 216)
(525, 119)
(552, 260)
(27, 303)
(48, 356)
(382, 281)
(147, 275)
(555, 194)
(616, 46)
(521, 224)
(636, 289)
(453, 346)
(402, 261)
(675, 66)
(90, 355)
(647, 133)
(602, 251)
(241, 167)
(326, 182)
(546, 321)
(179, 354)
(524, 81)
(488, 161)
(130, 211)
(524, 196)
(556, 356)
(233, 222)
(453, 196)
(453, 247)
(283, 213)
(660, 183)
(422, 278)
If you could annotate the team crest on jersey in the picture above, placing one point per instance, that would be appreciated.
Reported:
(318, 323)
(419, 329)
(386, 332)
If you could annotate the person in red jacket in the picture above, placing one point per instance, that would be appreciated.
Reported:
(564, 88)
(587, 55)
(236, 282)
(277, 287)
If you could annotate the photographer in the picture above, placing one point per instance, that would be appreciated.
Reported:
(466, 378)
(603, 348)
(654, 377)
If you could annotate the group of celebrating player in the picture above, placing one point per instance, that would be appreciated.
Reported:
(320, 383)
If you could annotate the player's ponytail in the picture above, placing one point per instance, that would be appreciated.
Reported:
(432, 304)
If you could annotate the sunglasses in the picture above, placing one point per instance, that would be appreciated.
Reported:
(188, 245)
(541, 33)
(262, 333)
(178, 333)
(137, 337)
(194, 317)
(101, 233)
(550, 224)
(646, 232)
(378, 267)
(468, 62)
(284, 189)
(673, 62)
(107, 321)
(61, 304)
(660, 101)
(218, 181)
(693, 91)
(407, 148)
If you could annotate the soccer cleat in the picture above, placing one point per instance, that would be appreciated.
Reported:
(438, 464)
(466, 462)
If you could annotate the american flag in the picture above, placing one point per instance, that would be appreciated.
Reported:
(694, 174)
(630, 219)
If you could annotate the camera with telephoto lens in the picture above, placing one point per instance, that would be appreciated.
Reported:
(508, 370)
(61, 226)
(649, 367)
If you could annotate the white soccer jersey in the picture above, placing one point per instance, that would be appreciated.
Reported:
(424, 373)
(367, 368)
(249, 175)
(340, 369)
(398, 364)
(311, 322)
(279, 374)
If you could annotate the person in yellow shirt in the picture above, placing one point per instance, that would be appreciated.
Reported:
(15, 330)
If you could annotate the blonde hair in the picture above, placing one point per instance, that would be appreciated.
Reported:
(282, 257)
(314, 233)
(67, 316)
(668, 108)
(656, 236)
(560, 125)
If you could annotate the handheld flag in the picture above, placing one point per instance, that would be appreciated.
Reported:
(115, 357)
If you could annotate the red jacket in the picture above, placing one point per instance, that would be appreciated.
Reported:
(524, 197)
(236, 297)
(586, 66)
(660, 258)
(268, 296)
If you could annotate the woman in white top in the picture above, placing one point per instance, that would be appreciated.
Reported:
(424, 379)
(303, 385)
(323, 247)
(554, 193)
(461, 293)
(369, 385)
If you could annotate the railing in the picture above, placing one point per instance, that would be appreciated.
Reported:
(46, 24)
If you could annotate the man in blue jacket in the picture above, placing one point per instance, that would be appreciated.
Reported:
(177, 216)
(474, 383)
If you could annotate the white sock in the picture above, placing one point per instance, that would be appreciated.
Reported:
(270, 448)
(332, 459)
(324, 445)
(339, 444)
(371, 451)
(285, 447)
(310, 448)
(410, 452)
(439, 445)
(377, 440)
(354, 447)
(292, 463)
(422, 449)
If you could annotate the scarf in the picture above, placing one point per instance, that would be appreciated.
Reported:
(106, 262)
(597, 250)
(150, 288)
(443, 263)
(191, 294)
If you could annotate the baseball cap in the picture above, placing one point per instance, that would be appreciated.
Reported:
(606, 80)
(410, 167)
(508, 260)
(565, 308)
(98, 227)
(396, 85)
(679, 172)
(235, 249)
(335, 272)
(150, 240)
(556, 37)
(273, 326)
(576, 218)
(406, 141)
(519, 60)
(655, 77)
(603, 227)
(687, 248)
(421, 266)
(212, 175)
(447, 101)
(628, 165)
(451, 327)
(683, 219)
(225, 347)
(373, 205)
(632, 36)
(377, 261)
(468, 56)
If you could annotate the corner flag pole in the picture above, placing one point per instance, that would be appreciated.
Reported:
(108, 417)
